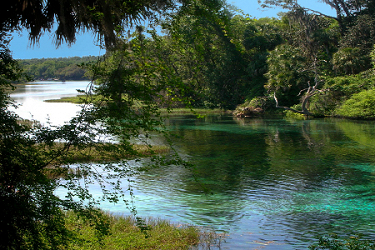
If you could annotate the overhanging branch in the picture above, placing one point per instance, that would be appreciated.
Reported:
(285, 107)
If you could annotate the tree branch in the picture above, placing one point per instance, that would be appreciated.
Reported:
(320, 13)
(285, 107)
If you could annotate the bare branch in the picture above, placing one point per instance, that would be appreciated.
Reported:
(285, 107)
(302, 91)
(319, 13)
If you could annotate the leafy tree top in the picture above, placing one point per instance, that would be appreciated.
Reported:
(106, 18)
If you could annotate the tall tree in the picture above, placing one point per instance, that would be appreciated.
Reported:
(105, 18)
(259, 38)
(204, 28)
(300, 65)
(34, 157)
(346, 10)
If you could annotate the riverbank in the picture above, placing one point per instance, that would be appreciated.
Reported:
(81, 99)
(95, 229)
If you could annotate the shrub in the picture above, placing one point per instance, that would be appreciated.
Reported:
(294, 115)
(338, 90)
(359, 106)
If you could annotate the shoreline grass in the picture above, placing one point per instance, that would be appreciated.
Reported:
(127, 232)
(80, 99)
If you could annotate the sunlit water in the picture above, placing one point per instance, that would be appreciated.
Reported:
(32, 97)
(274, 183)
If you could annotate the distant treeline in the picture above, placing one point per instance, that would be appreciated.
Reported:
(57, 68)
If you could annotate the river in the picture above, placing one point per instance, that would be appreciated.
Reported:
(274, 183)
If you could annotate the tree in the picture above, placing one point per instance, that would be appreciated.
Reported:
(354, 19)
(344, 9)
(349, 60)
(31, 211)
(204, 31)
(60, 68)
(361, 34)
(259, 38)
(299, 66)
(287, 76)
(107, 19)
(35, 159)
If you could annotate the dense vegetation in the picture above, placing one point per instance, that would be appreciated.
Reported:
(56, 68)
(35, 159)
(208, 55)
(116, 232)
(303, 62)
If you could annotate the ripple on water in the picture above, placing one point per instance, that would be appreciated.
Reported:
(276, 184)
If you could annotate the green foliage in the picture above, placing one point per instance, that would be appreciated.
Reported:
(360, 34)
(31, 218)
(349, 85)
(265, 103)
(319, 48)
(31, 157)
(294, 115)
(338, 90)
(10, 71)
(286, 75)
(116, 232)
(262, 35)
(349, 61)
(57, 68)
(260, 102)
(259, 37)
(372, 56)
(106, 19)
(219, 55)
(359, 106)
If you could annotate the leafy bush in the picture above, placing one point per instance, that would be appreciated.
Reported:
(360, 105)
(338, 90)
(348, 85)
(106, 231)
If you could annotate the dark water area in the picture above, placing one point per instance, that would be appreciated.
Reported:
(273, 183)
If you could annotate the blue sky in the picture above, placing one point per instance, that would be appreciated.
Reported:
(85, 44)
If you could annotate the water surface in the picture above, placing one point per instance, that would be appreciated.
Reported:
(274, 183)
(31, 96)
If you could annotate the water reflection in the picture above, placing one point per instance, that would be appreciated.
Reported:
(32, 96)
(282, 181)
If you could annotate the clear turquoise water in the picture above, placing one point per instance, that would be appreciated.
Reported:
(275, 184)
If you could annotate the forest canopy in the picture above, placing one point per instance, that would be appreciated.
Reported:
(57, 68)
(225, 59)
